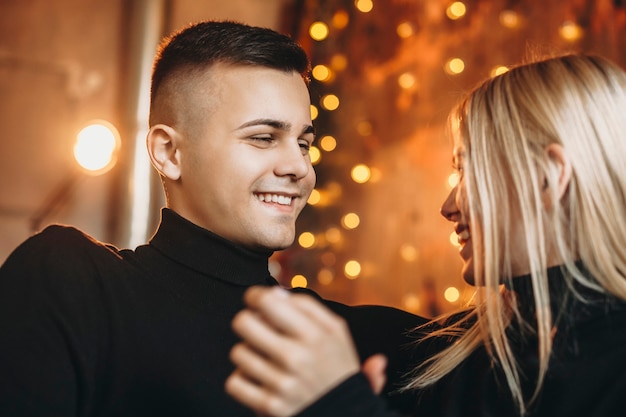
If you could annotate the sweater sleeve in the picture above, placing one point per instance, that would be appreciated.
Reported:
(353, 397)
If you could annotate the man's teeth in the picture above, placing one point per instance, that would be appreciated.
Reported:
(275, 198)
(463, 236)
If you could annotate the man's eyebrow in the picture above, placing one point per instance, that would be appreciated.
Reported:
(276, 124)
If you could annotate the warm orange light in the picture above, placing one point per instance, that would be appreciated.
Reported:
(360, 173)
(315, 154)
(364, 6)
(318, 31)
(328, 143)
(97, 146)
(299, 281)
(352, 269)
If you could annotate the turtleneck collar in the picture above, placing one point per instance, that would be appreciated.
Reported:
(209, 254)
(570, 302)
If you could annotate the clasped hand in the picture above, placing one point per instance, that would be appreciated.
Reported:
(294, 350)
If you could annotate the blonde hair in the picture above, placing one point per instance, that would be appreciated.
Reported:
(578, 102)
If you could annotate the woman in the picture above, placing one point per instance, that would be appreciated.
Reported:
(540, 214)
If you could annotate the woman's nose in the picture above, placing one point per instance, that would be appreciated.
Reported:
(449, 209)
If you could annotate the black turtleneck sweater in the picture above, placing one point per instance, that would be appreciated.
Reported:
(90, 330)
(586, 375)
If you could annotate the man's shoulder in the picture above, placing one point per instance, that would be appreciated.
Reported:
(58, 252)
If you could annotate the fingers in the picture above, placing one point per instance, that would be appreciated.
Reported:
(374, 369)
(292, 314)
(254, 396)
(265, 338)
(255, 366)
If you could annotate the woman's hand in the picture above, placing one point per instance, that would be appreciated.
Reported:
(294, 350)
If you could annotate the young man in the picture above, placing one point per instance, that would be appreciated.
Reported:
(87, 329)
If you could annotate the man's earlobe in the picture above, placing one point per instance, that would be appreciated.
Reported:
(163, 148)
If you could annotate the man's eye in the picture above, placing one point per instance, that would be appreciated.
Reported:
(262, 138)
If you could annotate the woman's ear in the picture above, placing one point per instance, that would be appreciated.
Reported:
(163, 147)
(562, 166)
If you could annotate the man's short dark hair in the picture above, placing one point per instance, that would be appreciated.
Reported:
(203, 44)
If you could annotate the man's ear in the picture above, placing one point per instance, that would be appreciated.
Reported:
(163, 147)
(561, 166)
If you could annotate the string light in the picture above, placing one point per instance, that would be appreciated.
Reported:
(411, 302)
(408, 252)
(318, 31)
(314, 198)
(570, 31)
(350, 221)
(330, 102)
(352, 269)
(453, 179)
(322, 73)
(454, 239)
(315, 154)
(405, 30)
(328, 143)
(509, 19)
(341, 19)
(451, 294)
(500, 69)
(339, 62)
(456, 10)
(333, 235)
(455, 66)
(299, 281)
(364, 128)
(325, 276)
(360, 173)
(407, 80)
(96, 147)
(306, 240)
(364, 6)
(314, 112)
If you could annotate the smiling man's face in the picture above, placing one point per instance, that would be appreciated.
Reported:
(246, 173)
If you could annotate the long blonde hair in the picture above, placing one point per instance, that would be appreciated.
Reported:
(505, 125)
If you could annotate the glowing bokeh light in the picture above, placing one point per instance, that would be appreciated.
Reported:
(321, 73)
(341, 18)
(453, 179)
(364, 6)
(454, 239)
(455, 66)
(406, 80)
(500, 69)
(451, 294)
(350, 221)
(299, 281)
(318, 31)
(330, 102)
(96, 147)
(314, 198)
(456, 10)
(408, 252)
(315, 154)
(570, 31)
(360, 173)
(509, 19)
(306, 240)
(405, 30)
(333, 235)
(325, 276)
(328, 143)
(352, 269)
